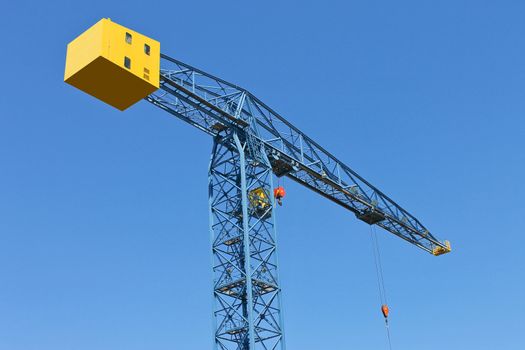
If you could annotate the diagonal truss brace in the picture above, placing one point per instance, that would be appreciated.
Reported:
(246, 289)
(218, 107)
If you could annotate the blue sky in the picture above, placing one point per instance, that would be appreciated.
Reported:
(104, 227)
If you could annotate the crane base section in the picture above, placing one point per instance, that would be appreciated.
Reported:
(114, 64)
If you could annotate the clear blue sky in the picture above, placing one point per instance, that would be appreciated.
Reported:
(103, 214)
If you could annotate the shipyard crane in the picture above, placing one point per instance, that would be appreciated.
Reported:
(251, 144)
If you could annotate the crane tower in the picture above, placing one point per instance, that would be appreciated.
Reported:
(251, 144)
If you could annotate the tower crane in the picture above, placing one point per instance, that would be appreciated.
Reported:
(251, 144)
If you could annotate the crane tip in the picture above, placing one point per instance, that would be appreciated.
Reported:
(440, 250)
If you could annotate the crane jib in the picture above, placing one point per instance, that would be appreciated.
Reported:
(216, 106)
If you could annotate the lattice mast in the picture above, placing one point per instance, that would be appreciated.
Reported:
(251, 143)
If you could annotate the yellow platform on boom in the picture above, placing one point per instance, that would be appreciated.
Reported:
(440, 250)
(114, 64)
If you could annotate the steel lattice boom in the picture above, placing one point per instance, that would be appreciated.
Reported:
(218, 107)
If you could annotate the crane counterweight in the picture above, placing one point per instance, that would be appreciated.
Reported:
(114, 64)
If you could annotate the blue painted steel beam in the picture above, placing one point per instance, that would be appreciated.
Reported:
(246, 288)
(218, 107)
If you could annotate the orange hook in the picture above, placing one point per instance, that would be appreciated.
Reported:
(384, 310)
(279, 194)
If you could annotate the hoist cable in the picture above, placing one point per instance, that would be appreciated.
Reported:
(380, 265)
(376, 266)
(380, 278)
(388, 335)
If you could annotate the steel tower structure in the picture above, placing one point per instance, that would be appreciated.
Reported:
(246, 285)
(251, 143)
